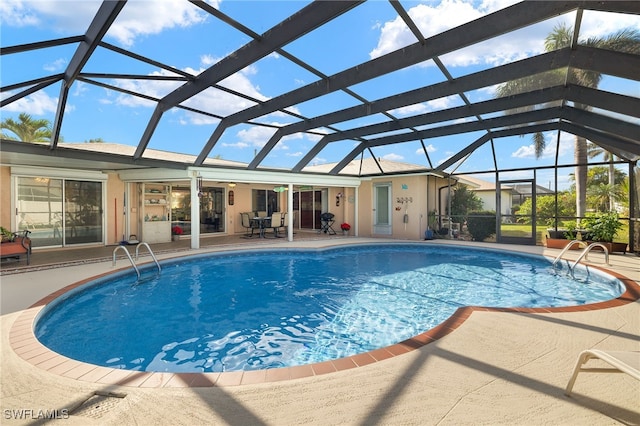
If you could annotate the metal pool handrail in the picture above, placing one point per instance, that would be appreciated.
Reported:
(128, 255)
(586, 251)
(150, 252)
(567, 248)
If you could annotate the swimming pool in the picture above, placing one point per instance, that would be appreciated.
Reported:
(260, 310)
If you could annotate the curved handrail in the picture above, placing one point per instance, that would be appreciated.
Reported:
(567, 248)
(128, 255)
(586, 251)
(150, 252)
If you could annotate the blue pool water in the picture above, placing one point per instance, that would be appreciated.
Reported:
(257, 310)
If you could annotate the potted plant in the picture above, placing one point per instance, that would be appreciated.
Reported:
(345, 228)
(176, 231)
(560, 238)
(602, 228)
(7, 236)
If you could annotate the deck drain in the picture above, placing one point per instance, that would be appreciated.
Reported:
(98, 404)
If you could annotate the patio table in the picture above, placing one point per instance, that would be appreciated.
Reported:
(261, 221)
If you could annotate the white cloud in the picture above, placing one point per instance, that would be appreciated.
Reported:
(433, 18)
(208, 60)
(240, 145)
(142, 18)
(528, 151)
(137, 18)
(57, 65)
(38, 103)
(312, 138)
(409, 110)
(256, 136)
(80, 88)
(297, 154)
(597, 24)
(318, 160)
(210, 100)
(17, 14)
(54, 14)
(430, 148)
(425, 107)
(430, 18)
(393, 157)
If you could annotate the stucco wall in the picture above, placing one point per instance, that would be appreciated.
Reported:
(114, 210)
(423, 192)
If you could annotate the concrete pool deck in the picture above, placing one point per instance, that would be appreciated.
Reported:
(495, 368)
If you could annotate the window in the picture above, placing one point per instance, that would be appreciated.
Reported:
(265, 200)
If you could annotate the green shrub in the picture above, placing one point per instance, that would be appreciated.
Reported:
(481, 224)
(602, 226)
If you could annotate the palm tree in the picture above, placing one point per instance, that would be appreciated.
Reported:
(603, 195)
(593, 151)
(626, 40)
(27, 129)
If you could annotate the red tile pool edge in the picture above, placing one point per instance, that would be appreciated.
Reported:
(24, 343)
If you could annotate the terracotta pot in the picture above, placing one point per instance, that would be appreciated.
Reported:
(560, 243)
(611, 247)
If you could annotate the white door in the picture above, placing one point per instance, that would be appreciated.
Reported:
(382, 209)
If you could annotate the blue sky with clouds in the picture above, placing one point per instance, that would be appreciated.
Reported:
(181, 35)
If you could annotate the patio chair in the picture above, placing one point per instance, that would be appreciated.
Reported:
(275, 223)
(621, 361)
(248, 223)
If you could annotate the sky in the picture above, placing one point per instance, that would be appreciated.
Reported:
(180, 35)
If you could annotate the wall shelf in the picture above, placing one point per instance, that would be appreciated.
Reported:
(155, 212)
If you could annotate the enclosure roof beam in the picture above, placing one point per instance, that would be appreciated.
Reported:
(494, 105)
(310, 17)
(504, 121)
(529, 66)
(492, 25)
(101, 23)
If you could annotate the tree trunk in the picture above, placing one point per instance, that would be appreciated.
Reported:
(612, 183)
(580, 157)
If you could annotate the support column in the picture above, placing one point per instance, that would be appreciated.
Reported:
(290, 213)
(195, 213)
(356, 212)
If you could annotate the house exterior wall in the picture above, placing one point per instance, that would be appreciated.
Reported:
(115, 218)
(488, 199)
(365, 209)
(421, 189)
(122, 207)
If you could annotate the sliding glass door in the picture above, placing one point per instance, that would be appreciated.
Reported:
(83, 212)
(59, 212)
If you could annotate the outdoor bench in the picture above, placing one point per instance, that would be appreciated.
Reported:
(20, 245)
